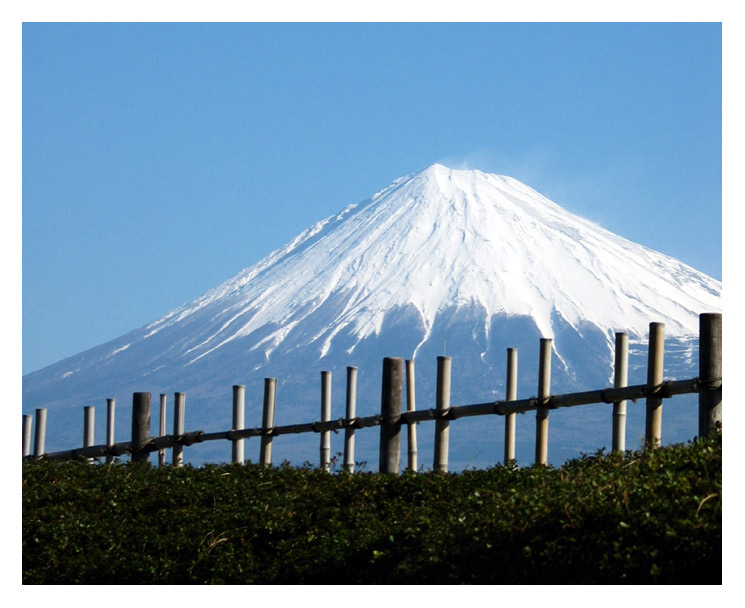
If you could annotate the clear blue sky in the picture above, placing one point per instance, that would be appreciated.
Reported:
(161, 159)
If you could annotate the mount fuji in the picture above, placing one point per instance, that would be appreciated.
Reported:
(444, 261)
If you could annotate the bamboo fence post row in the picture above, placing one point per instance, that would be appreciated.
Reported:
(708, 385)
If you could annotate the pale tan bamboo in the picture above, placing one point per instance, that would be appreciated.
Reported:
(162, 430)
(237, 453)
(325, 416)
(511, 395)
(40, 432)
(89, 425)
(26, 434)
(179, 411)
(267, 421)
(544, 391)
(110, 410)
(620, 380)
(351, 413)
(656, 361)
(390, 415)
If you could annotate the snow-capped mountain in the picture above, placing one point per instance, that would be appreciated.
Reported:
(454, 261)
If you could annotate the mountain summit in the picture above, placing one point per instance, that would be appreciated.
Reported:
(445, 238)
(442, 259)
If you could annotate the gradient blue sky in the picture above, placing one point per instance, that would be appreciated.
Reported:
(161, 159)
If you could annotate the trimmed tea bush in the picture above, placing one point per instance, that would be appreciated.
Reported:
(633, 518)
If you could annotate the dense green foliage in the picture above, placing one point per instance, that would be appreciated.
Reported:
(633, 518)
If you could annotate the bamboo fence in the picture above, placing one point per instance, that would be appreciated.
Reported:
(708, 385)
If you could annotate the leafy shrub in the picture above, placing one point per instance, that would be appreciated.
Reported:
(632, 518)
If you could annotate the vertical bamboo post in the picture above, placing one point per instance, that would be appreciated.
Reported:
(239, 422)
(27, 420)
(710, 369)
(351, 413)
(325, 417)
(267, 421)
(442, 425)
(655, 367)
(140, 426)
(390, 412)
(162, 430)
(89, 421)
(110, 408)
(40, 432)
(544, 391)
(620, 380)
(511, 395)
(411, 407)
(179, 411)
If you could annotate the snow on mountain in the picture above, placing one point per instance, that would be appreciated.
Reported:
(446, 238)
(442, 257)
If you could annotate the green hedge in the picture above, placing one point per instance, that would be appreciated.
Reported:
(633, 518)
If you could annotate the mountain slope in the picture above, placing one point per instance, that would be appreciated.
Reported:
(462, 261)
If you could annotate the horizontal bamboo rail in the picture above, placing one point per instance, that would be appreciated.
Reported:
(708, 385)
(501, 408)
